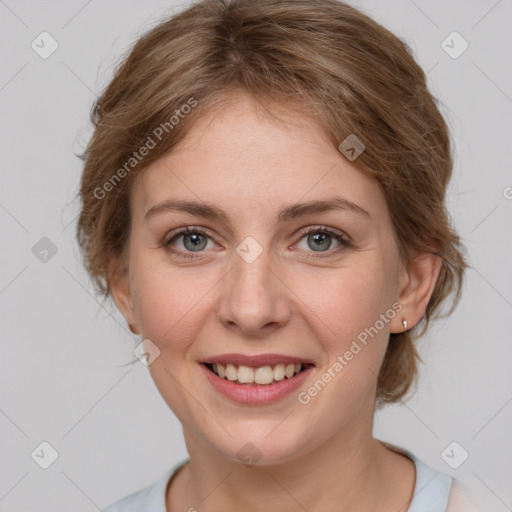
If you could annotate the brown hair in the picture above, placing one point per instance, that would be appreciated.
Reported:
(351, 73)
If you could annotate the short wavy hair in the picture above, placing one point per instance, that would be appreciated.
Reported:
(348, 71)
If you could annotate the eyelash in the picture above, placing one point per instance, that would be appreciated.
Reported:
(345, 244)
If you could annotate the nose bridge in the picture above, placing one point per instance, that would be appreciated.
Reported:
(252, 271)
(253, 298)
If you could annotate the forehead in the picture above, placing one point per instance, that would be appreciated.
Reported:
(239, 157)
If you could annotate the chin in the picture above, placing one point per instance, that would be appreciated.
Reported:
(260, 447)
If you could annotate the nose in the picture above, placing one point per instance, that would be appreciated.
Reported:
(255, 299)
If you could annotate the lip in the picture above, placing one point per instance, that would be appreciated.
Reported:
(255, 394)
(256, 361)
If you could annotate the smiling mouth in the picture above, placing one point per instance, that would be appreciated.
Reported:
(264, 375)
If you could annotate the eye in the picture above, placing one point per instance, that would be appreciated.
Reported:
(320, 237)
(193, 240)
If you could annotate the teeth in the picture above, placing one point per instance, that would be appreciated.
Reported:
(262, 375)
(231, 373)
(289, 370)
(245, 375)
(219, 369)
(279, 372)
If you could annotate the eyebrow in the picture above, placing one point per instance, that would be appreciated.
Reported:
(293, 211)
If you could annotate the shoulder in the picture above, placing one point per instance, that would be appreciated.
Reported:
(431, 489)
(144, 499)
(131, 503)
(460, 499)
(437, 491)
(148, 499)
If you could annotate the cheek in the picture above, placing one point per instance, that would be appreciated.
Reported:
(356, 352)
(346, 301)
(348, 308)
(170, 304)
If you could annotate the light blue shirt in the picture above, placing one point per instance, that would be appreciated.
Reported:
(431, 492)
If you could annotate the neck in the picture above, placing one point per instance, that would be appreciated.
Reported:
(356, 472)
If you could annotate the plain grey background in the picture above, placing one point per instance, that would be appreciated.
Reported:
(62, 379)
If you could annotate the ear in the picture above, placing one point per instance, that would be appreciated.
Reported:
(121, 290)
(417, 283)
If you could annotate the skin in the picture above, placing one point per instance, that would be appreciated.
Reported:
(284, 302)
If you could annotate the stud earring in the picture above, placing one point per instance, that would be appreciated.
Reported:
(405, 324)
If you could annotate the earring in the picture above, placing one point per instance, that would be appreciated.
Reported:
(404, 323)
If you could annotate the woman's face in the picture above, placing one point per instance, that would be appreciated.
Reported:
(256, 284)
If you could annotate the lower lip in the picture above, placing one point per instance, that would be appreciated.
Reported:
(254, 394)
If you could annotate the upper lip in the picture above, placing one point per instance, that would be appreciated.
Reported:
(256, 361)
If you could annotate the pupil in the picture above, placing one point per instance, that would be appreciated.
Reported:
(320, 237)
(195, 239)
